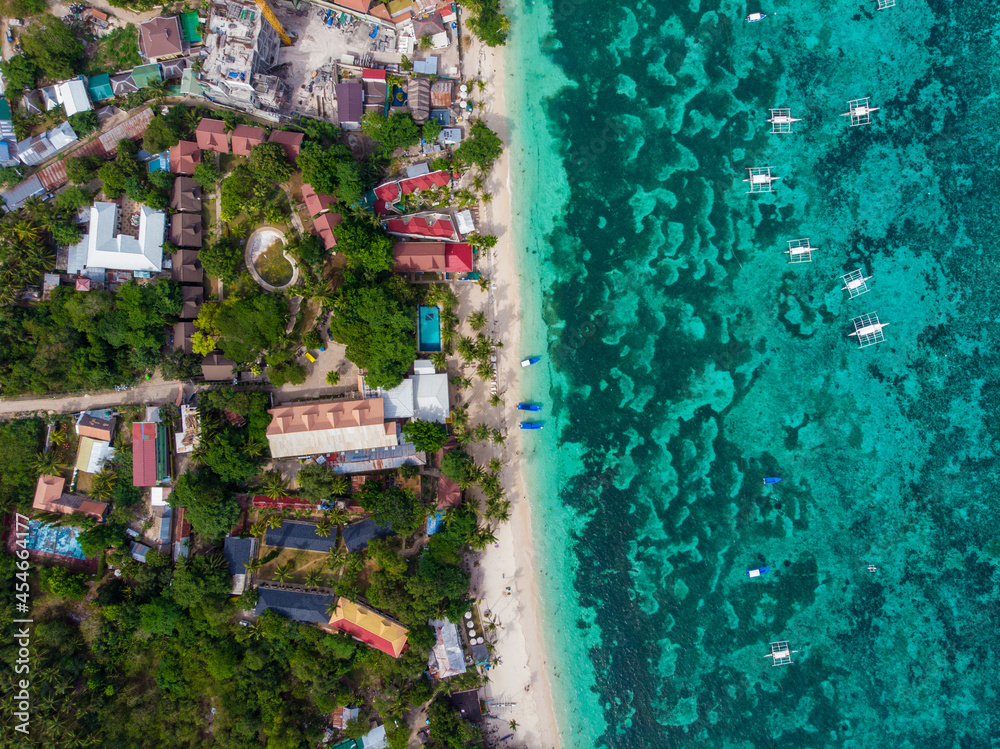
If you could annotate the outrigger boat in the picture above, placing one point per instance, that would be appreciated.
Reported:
(754, 17)
(757, 572)
(531, 425)
(772, 480)
(529, 362)
(528, 407)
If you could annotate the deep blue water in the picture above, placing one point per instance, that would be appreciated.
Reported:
(687, 360)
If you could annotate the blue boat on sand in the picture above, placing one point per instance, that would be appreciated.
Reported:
(531, 425)
(757, 572)
(772, 480)
(528, 407)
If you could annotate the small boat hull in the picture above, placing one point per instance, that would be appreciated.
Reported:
(529, 362)
(528, 407)
(757, 572)
(754, 17)
(530, 425)
(772, 480)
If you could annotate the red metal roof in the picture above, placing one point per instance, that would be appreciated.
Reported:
(324, 227)
(289, 142)
(368, 638)
(143, 454)
(211, 135)
(390, 192)
(442, 228)
(458, 257)
(316, 202)
(371, 74)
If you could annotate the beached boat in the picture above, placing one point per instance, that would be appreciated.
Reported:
(754, 17)
(528, 407)
(529, 362)
(772, 480)
(530, 425)
(758, 572)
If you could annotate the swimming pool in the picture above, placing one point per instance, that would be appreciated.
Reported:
(54, 539)
(428, 329)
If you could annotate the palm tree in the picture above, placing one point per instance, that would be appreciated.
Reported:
(338, 516)
(477, 321)
(103, 484)
(340, 486)
(254, 447)
(484, 371)
(513, 725)
(323, 527)
(159, 89)
(495, 465)
(274, 485)
(49, 463)
(259, 528)
(482, 432)
(252, 566)
(275, 521)
(336, 558)
(466, 349)
(496, 400)
(479, 182)
(58, 437)
(440, 361)
(282, 572)
(331, 610)
(460, 416)
(314, 579)
(498, 437)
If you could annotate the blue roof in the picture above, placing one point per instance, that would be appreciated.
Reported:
(357, 536)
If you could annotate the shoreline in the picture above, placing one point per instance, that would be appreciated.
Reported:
(521, 681)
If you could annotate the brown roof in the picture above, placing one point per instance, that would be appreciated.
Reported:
(310, 417)
(160, 37)
(449, 493)
(217, 367)
(97, 428)
(49, 497)
(316, 202)
(441, 94)
(187, 267)
(246, 137)
(193, 296)
(185, 229)
(324, 227)
(290, 142)
(211, 135)
(184, 157)
(419, 257)
(182, 337)
(133, 129)
(185, 195)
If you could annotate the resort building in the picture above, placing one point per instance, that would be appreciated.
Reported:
(432, 257)
(216, 367)
(192, 298)
(102, 247)
(316, 203)
(350, 105)
(393, 192)
(241, 48)
(184, 157)
(368, 626)
(182, 336)
(428, 225)
(294, 604)
(211, 135)
(186, 267)
(185, 229)
(245, 138)
(185, 195)
(49, 497)
(329, 427)
(357, 535)
(423, 395)
(150, 454)
(447, 658)
(293, 534)
(160, 39)
(73, 96)
(325, 226)
(291, 143)
(99, 425)
(238, 552)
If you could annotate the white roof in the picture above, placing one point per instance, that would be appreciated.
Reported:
(417, 170)
(464, 222)
(430, 397)
(446, 657)
(423, 366)
(319, 441)
(50, 97)
(62, 136)
(398, 402)
(105, 249)
(450, 136)
(73, 96)
(375, 739)
(157, 496)
(439, 40)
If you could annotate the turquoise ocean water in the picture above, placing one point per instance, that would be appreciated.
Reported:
(685, 360)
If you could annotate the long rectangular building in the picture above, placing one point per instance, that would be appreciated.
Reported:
(329, 427)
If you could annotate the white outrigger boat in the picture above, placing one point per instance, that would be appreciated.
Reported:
(754, 17)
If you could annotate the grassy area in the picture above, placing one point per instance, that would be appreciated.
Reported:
(302, 563)
(117, 51)
(273, 266)
(208, 216)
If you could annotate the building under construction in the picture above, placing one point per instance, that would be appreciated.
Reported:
(241, 49)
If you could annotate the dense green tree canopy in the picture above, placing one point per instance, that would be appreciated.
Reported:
(20, 442)
(425, 435)
(54, 48)
(221, 258)
(481, 148)
(252, 325)
(331, 170)
(268, 164)
(363, 241)
(376, 323)
(20, 72)
(458, 466)
(211, 508)
(160, 134)
(392, 506)
(398, 130)
(317, 482)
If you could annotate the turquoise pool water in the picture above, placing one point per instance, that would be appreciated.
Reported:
(54, 539)
(686, 360)
(429, 327)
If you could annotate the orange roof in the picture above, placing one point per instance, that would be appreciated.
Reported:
(290, 142)
(359, 5)
(316, 202)
(380, 11)
(49, 497)
(324, 227)
(419, 257)
(184, 157)
(48, 490)
(211, 135)
(246, 137)
(309, 417)
(369, 626)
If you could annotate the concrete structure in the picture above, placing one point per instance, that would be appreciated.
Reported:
(241, 47)
(187, 439)
(329, 427)
(160, 38)
(423, 395)
(103, 247)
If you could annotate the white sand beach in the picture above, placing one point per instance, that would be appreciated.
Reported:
(505, 580)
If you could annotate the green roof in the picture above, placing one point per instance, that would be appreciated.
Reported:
(143, 75)
(99, 87)
(4, 109)
(189, 27)
(190, 84)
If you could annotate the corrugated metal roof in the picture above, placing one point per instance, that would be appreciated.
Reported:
(143, 454)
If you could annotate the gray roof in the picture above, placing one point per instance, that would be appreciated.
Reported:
(237, 551)
(350, 102)
(292, 535)
(357, 536)
(15, 196)
(297, 606)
